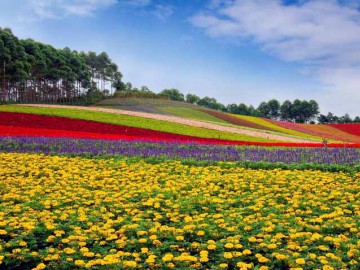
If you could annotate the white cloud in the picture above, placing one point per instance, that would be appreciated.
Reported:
(55, 9)
(136, 3)
(155, 8)
(163, 11)
(323, 35)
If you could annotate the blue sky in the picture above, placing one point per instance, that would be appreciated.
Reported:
(237, 51)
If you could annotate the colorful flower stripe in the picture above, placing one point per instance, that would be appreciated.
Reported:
(6, 131)
(332, 133)
(289, 125)
(318, 130)
(353, 129)
(172, 150)
(102, 130)
(264, 122)
(232, 119)
(62, 123)
(43, 132)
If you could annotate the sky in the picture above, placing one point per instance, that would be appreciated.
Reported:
(237, 51)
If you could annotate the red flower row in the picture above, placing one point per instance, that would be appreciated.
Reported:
(40, 132)
(21, 124)
(349, 128)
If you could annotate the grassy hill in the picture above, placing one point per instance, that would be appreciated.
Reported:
(181, 110)
(195, 112)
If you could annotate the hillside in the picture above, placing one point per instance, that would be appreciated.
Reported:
(194, 112)
(191, 120)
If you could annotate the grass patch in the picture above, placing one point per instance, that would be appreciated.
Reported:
(193, 114)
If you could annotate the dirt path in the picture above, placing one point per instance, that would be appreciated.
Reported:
(180, 120)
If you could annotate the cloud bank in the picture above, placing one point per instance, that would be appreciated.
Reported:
(55, 9)
(323, 35)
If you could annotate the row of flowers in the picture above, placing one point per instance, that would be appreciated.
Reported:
(21, 124)
(326, 131)
(349, 128)
(180, 151)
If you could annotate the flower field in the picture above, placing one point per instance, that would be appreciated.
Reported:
(86, 190)
(77, 213)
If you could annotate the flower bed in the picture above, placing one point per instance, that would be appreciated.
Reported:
(349, 128)
(78, 213)
(179, 150)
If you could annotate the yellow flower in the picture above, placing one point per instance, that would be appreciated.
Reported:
(23, 244)
(228, 255)
(263, 259)
(153, 237)
(243, 265)
(79, 263)
(144, 250)
(167, 257)
(69, 251)
(40, 266)
(247, 252)
(211, 247)
(300, 261)
(130, 264)
(179, 238)
(142, 240)
(272, 246)
(223, 265)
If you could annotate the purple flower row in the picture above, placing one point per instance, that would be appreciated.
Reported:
(91, 147)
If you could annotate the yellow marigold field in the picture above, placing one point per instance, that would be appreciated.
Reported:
(77, 213)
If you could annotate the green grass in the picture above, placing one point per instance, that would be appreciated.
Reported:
(193, 114)
(147, 102)
(133, 121)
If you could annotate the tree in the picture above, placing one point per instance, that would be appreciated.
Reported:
(285, 111)
(274, 108)
(314, 110)
(211, 103)
(193, 99)
(240, 109)
(232, 108)
(243, 109)
(322, 119)
(145, 89)
(264, 110)
(40, 72)
(345, 119)
(173, 94)
(332, 118)
(357, 119)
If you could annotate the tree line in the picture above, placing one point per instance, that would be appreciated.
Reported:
(35, 72)
(298, 111)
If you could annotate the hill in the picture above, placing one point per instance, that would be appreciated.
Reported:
(191, 120)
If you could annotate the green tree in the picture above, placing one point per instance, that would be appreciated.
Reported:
(285, 111)
(173, 94)
(274, 107)
(264, 109)
(192, 99)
